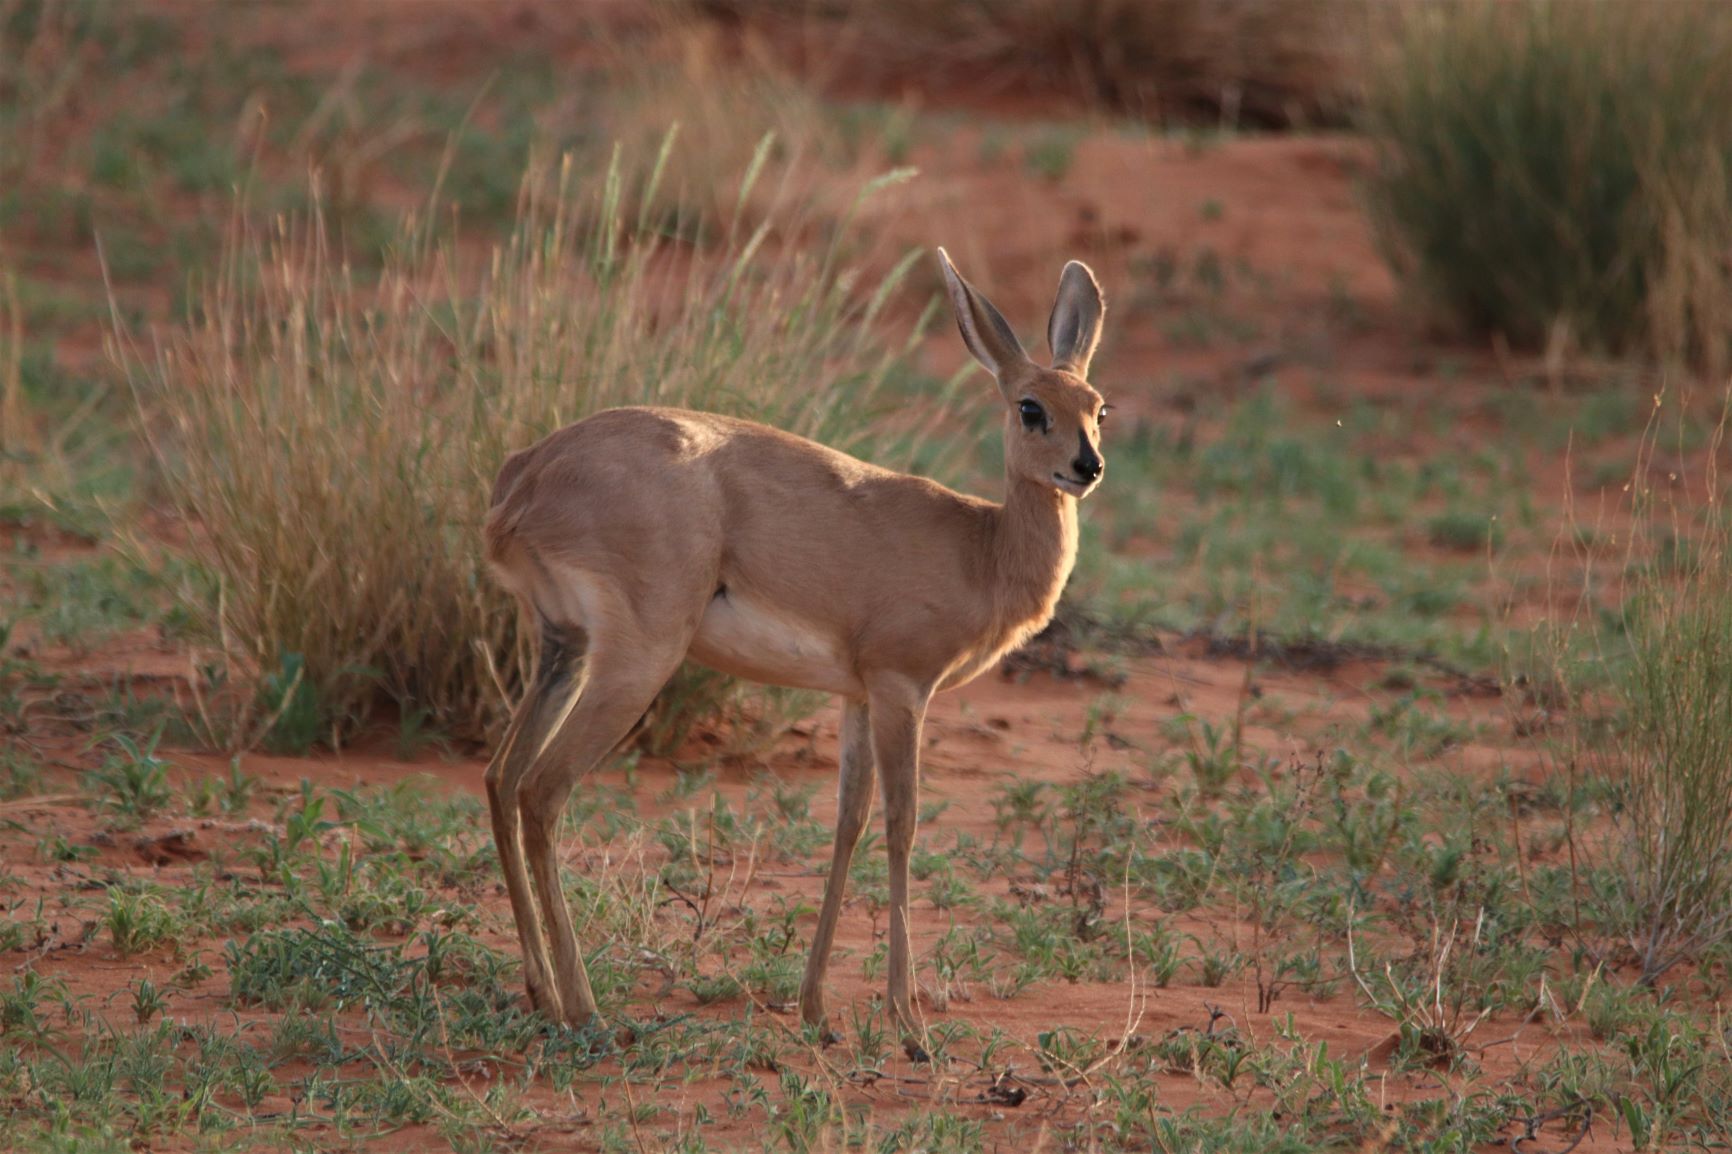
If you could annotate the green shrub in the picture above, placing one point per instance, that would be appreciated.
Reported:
(334, 437)
(1556, 170)
(1049, 154)
(1464, 531)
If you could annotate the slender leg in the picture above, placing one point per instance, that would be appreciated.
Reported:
(898, 711)
(621, 677)
(854, 806)
(544, 700)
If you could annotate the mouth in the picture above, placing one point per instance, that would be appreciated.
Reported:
(1073, 486)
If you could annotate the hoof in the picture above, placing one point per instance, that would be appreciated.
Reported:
(915, 1051)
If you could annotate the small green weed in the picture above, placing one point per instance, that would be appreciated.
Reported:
(132, 781)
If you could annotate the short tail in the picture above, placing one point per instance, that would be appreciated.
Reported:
(510, 496)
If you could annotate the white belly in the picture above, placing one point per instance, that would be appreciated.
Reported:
(756, 642)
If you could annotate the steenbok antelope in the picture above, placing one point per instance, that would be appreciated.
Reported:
(640, 537)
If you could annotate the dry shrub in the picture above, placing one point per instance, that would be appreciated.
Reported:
(1558, 172)
(1242, 62)
(332, 438)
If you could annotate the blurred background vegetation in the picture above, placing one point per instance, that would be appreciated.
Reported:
(1553, 175)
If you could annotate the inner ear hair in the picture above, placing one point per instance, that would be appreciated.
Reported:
(1074, 329)
(984, 330)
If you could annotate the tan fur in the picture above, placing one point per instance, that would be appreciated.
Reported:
(646, 536)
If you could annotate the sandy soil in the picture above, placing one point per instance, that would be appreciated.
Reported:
(1001, 729)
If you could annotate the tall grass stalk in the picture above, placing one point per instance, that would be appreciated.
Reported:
(38, 472)
(17, 428)
(724, 110)
(331, 437)
(1676, 746)
(1663, 667)
(1561, 172)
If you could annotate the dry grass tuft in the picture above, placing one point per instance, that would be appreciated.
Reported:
(332, 437)
(1646, 655)
(722, 110)
(1673, 753)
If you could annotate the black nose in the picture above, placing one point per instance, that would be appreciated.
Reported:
(1088, 464)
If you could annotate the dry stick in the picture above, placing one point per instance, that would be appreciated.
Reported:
(62, 434)
(381, 1060)
(1133, 1014)
(44, 799)
(1352, 960)
(198, 699)
(1521, 860)
(226, 644)
(710, 880)
(1574, 527)
(631, 1112)
(445, 1045)
(1531, 1125)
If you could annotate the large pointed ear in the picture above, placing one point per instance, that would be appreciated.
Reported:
(984, 330)
(1074, 328)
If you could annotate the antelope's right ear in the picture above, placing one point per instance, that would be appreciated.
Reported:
(1074, 329)
(984, 330)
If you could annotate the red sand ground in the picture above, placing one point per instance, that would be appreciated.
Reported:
(980, 737)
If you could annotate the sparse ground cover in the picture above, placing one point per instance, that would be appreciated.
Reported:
(1310, 826)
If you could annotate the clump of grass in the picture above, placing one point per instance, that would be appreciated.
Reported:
(1464, 531)
(1674, 753)
(138, 923)
(132, 782)
(1654, 678)
(334, 437)
(1559, 172)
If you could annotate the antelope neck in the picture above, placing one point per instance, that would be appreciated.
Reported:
(1034, 548)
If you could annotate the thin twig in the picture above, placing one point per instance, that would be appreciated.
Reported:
(1532, 1125)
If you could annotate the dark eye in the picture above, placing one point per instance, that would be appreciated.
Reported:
(1101, 417)
(1033, 416)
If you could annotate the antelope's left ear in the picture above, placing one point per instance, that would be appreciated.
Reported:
(984, 330)
(1074, 329)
